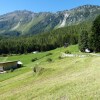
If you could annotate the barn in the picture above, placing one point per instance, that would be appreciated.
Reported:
(4, 66)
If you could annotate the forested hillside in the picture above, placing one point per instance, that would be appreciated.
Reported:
(44, 41)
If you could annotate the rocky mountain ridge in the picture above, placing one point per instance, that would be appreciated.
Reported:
(27, 22)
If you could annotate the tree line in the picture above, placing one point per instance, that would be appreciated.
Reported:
(44, 41)
(91, 40)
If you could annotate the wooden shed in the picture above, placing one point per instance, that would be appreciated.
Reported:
(4, 66)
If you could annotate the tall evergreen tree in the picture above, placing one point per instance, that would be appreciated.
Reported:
(95, 35)
(83, 41)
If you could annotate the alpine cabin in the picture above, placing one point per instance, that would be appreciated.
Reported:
(4, 66)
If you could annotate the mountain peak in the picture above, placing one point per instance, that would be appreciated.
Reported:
(88, 6)
(27, 22)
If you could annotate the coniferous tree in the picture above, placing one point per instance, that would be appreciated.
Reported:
(95, 35)
(83, 41)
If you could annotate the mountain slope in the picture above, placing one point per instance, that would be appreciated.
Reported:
(26, 22)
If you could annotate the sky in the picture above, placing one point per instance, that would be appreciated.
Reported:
(7, 6)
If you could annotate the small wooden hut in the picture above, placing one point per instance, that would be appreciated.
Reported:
(4, 66)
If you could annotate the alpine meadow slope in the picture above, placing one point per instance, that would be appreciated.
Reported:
(68, 78)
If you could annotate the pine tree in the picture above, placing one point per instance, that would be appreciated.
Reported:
(95, 35)
(83, 41)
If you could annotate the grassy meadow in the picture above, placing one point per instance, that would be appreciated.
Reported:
(69, 78)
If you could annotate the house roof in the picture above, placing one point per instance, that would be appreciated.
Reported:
(8, 62)
(19, 62)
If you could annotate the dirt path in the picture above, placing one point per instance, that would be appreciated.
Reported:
(79, 55)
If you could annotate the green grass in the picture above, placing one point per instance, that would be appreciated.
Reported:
(14, 73)
(26, 59)
(72, 78)
(1, 59)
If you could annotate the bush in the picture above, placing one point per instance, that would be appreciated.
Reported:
(60, 57)
(12, 69)
(37, 69)
(48, 54)
(34, 59)
(67, 52)
(4, 55)
(49, 60)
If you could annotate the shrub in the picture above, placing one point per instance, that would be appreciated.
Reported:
(67, 52)
(49, 60)
(34, 59)
(49, 54)
(60, 57)
(4, 55)
(12, 69)
(37, 69)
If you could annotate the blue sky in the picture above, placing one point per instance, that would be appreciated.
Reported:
(42, 5)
